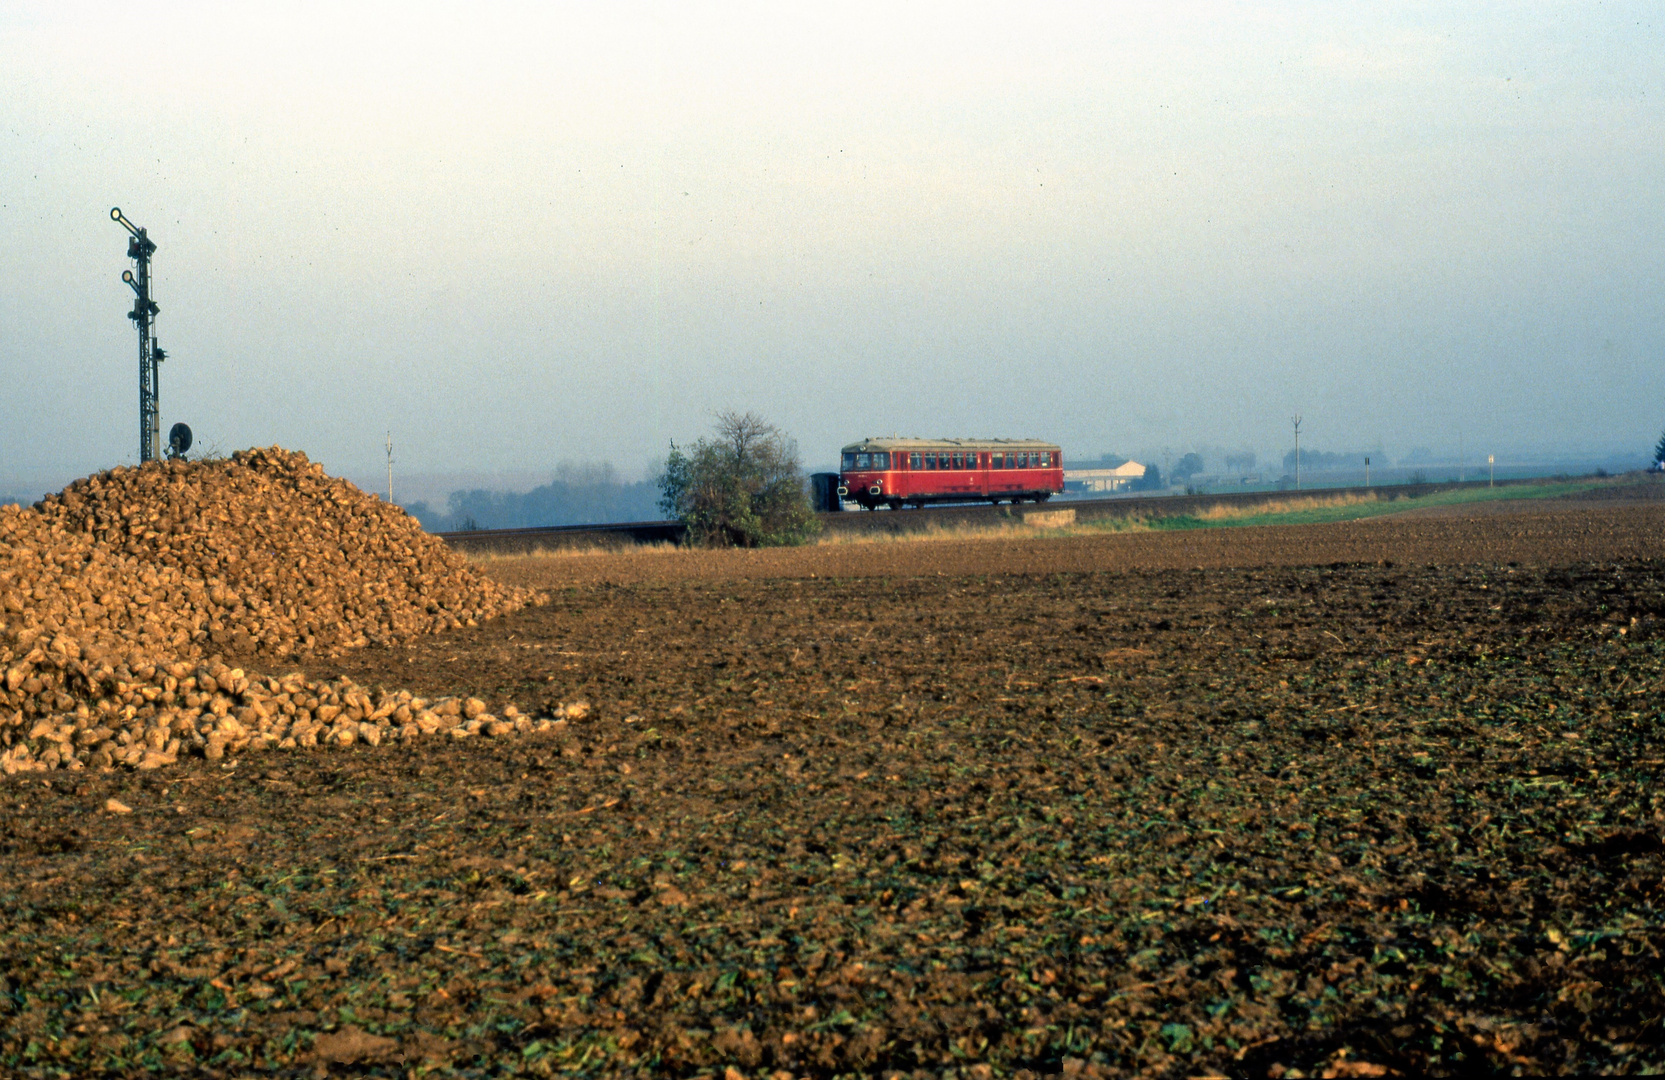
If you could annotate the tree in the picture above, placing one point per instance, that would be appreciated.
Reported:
(578, 494)
(1187, 467)
(1659, 453)
(1151, 481)
(743, 487)
(1322, 461)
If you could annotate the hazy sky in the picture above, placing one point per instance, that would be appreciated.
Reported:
(513, 234)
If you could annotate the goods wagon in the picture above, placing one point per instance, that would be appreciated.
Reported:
(913, 472)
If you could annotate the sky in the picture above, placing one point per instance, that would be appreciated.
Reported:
(508, 235)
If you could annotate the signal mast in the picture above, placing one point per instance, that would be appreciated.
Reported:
(139, 248)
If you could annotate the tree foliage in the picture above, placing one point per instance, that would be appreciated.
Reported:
(743, 487)
(578, 494)
(1659, 451)
(1323, 461)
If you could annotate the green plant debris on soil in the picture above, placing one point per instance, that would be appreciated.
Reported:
(1244, 821)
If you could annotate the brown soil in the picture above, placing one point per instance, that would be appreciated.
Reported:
(1337, 799)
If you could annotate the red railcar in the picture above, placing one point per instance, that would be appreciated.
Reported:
(913, 472)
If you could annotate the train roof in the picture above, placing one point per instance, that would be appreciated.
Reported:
(869, 445)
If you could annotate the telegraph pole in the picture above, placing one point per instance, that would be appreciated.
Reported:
(140, 248)
(390, 468)
(1296, 420)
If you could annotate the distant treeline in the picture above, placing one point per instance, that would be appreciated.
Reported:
(1322, 461)
(578, 495)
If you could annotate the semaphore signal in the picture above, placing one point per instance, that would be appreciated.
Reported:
(140, 248)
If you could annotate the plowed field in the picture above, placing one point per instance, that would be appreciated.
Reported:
(1340, 800)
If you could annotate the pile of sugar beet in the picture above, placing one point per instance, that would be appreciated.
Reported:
(119, 594)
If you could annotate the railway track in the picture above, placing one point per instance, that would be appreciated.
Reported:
(969, 515)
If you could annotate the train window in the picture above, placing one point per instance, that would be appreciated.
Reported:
(930, 461)
(1023, 459)
(959, 461)
(863, 460)
(913, 460)
(881, 461)
(1000, 459)
(849, 462)
(1045, 459)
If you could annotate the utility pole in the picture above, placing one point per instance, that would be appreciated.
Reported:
(140, 248)
(1491, 466)
(1296, 420)
(390, 468)
(1367, 470)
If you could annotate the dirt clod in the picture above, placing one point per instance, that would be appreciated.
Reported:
(352, 1043)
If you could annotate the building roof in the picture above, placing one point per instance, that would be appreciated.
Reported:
(1127, 469)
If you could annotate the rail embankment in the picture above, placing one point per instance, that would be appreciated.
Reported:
(1158, 511)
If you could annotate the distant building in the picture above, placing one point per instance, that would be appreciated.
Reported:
(1104, 481)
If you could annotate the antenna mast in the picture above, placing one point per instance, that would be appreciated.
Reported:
(140, 248)
(390, 468)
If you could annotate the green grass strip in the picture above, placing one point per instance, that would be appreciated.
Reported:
(1348, 508)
